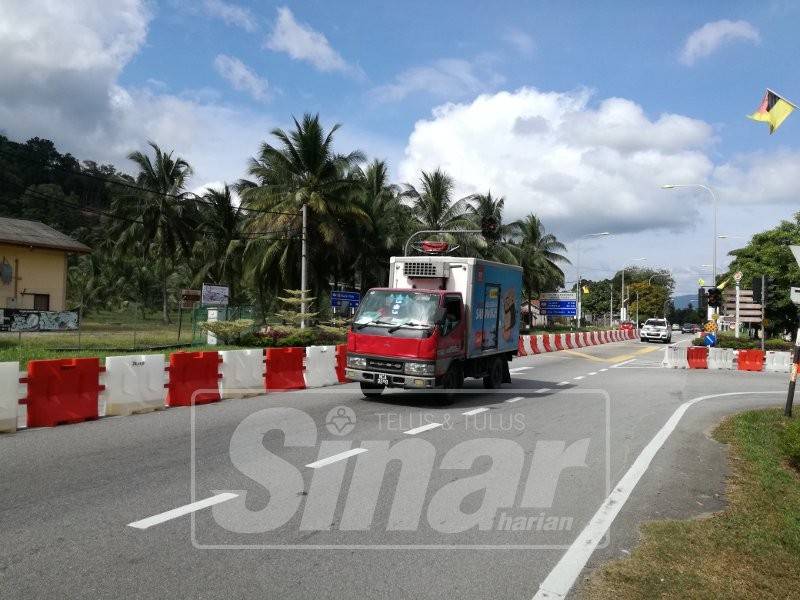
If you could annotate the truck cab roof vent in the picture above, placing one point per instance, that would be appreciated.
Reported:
(424, 269)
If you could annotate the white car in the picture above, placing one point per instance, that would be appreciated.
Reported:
(676, 327)
(656, 330)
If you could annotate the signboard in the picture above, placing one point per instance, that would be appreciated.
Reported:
(189, 297)
(345, 299)
(749, 310)
(558, 304)
(18, 319)
(214, 295)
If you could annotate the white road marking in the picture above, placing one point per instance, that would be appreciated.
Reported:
(579, 377)
(603, 370)
(335, 458)
(624, 362)
(417, 430)
(593, 373)
(474, 411)
(519, 369)
(560, 580)
(182, 510)
(515, 399)
(563, 383)
(542, 390)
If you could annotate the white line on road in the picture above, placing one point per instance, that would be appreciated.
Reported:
(182, 510)
(417, 430)
(515, 399)
(563, 383)
(519, 369)
(593, 373)
(559, 581)
(603, 370)
(335, 458)
(474, 411)
(542, 390)
(624, 362)
(579, 377)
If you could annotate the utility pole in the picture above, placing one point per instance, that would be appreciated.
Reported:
(303, 269)
(763, 307)
(737, 277)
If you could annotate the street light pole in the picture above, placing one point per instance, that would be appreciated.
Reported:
(622, 314)
(303, 274)
(578, 289)
(670, 186)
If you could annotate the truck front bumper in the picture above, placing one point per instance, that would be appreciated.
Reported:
(391, 379)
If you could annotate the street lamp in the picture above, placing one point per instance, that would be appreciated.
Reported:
(579, 297)
(671, 186)
(622, 313)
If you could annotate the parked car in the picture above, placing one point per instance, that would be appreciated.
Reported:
(687, 328)
(627, 326)
(656, 330)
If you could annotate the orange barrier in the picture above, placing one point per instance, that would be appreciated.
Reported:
(62, 391)
(697, 357)
(285, 369)
(341, 362)
(751, 360)
(546, 343)
(190, 372)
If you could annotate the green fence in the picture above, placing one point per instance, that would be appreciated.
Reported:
(199, 315)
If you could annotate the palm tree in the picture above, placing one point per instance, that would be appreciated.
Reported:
(387, 224)
(539, 254)
(495, 245)
(433, 204)
(302, 169)
(162, 217)
(221, 244)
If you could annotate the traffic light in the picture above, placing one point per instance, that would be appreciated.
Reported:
(714, 297)
(769, 292)
(757, 289)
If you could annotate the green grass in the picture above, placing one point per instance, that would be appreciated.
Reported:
(750, 550)
(101, 335)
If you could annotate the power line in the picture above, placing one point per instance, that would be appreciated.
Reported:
(127, 184)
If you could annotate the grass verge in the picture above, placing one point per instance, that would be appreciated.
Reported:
(750, 550)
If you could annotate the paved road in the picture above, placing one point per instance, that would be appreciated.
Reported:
(487, 501)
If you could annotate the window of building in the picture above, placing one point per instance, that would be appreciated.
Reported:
(41, 302)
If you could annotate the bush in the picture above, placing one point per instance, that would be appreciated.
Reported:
(726, 341)
(777, 344)
(285, 336)
(228, 332)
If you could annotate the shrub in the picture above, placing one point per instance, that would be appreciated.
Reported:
(228, 331)
(777, 344)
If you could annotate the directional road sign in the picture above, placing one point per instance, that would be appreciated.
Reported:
(345, 299)
(558, 304)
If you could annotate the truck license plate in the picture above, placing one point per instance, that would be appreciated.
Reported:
(383, 379)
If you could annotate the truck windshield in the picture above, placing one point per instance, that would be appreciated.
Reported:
(395, 309)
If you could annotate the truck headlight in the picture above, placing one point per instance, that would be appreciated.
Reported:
(356, 362)
(419, 368)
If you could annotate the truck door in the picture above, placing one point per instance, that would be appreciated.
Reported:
(451, 341)
(491, 302)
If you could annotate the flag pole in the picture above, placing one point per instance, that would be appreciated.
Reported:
(783, 98)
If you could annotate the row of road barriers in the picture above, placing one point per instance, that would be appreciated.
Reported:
(553, 342)
(71, 390)
(702, 357)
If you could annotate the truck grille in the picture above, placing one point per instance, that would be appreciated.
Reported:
(424, 269)
(385, 365)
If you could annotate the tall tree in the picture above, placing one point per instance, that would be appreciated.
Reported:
(497, 244)
(302, 168)
(161, 216)
(434, 207)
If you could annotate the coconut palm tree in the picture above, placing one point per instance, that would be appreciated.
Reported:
(539, 254)
(302, 168)
(162, 215)
(495, 245)
(434, 208)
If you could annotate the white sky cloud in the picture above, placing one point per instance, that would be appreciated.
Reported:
(241, 77)
(231, 14)
(521, 42)
(301, 42)
(445, 78)
(711, 36)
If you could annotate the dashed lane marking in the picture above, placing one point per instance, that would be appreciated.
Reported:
(474, 411)
(335, 458)
(182, 510)
(427, 427)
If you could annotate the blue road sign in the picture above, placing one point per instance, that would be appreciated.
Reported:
(558, 308)
(345, 299)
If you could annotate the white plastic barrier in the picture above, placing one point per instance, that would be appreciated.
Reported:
(134, 384)
(778, 362)
(11, 390)
(720, 358)
(320, 368)
(572, 341)
(537, 345)
(242, 373)
(675, 357)
(527, 344)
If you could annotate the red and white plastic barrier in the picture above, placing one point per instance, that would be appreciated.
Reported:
(242, 372)
(133, 384)
(320, 366)
(12, 388)
(552, 342)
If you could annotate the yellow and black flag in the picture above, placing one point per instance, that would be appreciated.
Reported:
(773, 110)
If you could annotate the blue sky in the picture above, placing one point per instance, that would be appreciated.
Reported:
(573, 110)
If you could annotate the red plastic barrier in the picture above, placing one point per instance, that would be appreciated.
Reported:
(341, 362)
(559, 341)
(751, 360)
(546, 342)
(285, 369)
(697, 357)
(190, 372)
(64, 390)
(595, 337)
(521, 348)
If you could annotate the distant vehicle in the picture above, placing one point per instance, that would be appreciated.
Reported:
(627, 326)
(687, 328)
(656, 330)
(696, 329)
(676, 327)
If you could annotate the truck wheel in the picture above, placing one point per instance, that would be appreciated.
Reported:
(371, 390)
(495, 377)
